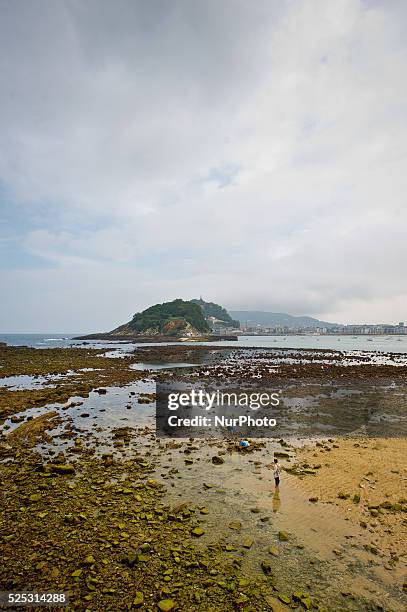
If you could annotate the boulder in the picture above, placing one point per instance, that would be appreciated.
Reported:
(266, 567)
(138, 600)
(62, 468)
(197, 532)
(216, 460)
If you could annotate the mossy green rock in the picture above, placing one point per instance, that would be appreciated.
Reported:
(298, 595)
(138, 600)
(236, 525)
(283, 536)
(285, 599)
(197, 532)
(165, 605)
(386, 505)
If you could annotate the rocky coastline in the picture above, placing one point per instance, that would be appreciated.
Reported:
(96, 506)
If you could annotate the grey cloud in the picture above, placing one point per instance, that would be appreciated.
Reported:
(252, 152)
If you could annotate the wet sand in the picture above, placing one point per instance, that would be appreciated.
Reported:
(325, 549)
(366, 481)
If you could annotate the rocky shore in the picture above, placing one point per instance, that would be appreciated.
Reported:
(96, 506)
(156, 338)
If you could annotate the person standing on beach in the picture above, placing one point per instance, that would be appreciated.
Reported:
(277, 472)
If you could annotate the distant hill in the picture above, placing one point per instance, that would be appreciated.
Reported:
(176, 318)
(273, 319)
(210, 309)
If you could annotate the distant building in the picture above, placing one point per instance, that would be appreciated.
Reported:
(364, 329)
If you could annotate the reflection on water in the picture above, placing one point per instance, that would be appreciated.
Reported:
(276, 500)
(23, 381)
(94, 416)
(161, 366)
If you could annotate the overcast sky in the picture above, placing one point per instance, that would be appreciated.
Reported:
(253, 153)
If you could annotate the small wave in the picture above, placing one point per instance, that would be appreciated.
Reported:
(54, 339)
